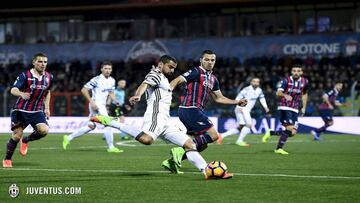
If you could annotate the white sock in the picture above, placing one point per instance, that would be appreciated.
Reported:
(230, 132)
(79, 132)
(195, 158)
(129, 130)
(244, 131)
(109, 137)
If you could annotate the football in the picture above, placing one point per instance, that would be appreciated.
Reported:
(215, 169)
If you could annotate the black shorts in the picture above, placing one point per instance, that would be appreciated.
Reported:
(195, 121)
(289, 118)
(23, 119)
(326, 114)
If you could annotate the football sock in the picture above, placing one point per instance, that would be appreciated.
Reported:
(33, 136)
(109, 137)
(127, 129)
(277, 133)
(11, 146)
(322, 129)
(284, 136)
(195, 158)
(244, 131)
(201, 140)
(230, 132)
(79, 132)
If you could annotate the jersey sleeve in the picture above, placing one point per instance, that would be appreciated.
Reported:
(241, 94)
(92, 83)
(20, 81)
(152, 79)
(190, 75)
(282, 84)
(216, 86)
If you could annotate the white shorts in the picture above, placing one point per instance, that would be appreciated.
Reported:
(159, 125)
(243, 116)
(101, 111)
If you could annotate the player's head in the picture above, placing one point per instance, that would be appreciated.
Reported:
(255, 82)
(208, 59)
(339, 85)
(167, 64)
(296, 71)
(40, 61)
(122, 83)
(106, 68)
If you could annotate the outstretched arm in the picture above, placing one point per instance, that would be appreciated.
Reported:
(304, 101)
(220, 98)
(180, 79)
(139, 92)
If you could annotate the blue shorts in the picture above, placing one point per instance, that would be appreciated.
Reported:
(289, 118)
(326, 114)
(195, 121)
(23, 119)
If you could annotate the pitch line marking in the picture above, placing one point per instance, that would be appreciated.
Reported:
(161, 172)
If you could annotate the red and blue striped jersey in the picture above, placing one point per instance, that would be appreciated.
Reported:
(332, 95)
(294, 88)
(38, 89)
(199, 85)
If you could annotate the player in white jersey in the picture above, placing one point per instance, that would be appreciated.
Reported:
(252, 93)
(101, 87)
(157, 118)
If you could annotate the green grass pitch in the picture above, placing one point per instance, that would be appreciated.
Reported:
(327, 171)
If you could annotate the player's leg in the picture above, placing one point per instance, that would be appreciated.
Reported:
(41, 129)
(326, 115)
(115, 123)
(240, 119)
(17, 126)
(279, 132)
(245, 129)
(289, 121)
(81, 131)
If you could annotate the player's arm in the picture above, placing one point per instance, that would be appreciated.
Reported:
(180, 79)
(16, 92)
(264, 104)
(304, 99)
(327, 101)
(280, 93)
(221, 99)
(47, 104)
(19, 84)
(139, 92)
(86, 92)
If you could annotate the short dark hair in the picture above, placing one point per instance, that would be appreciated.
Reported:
(207, 51)
(167, 58)
(297, 66)
(40, 54)
(338, 81)
(106, 63)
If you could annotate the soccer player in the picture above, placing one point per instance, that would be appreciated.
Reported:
(31, 108)
(292, 93)
(101, 87)
(326, 109)
(251, 93)
(200, 84)
(156, 118)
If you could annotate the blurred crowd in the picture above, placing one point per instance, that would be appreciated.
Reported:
(233, 75)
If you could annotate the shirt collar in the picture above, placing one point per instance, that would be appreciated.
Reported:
(206, 71)
(336, 92)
